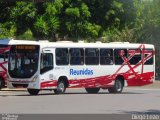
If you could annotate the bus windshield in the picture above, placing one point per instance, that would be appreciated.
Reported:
(23, 61)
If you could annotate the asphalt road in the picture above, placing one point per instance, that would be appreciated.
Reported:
(77, 101)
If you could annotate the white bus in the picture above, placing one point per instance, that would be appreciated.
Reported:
(57, 66)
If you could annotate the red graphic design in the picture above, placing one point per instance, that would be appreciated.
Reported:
(3, 70)
(47, 84)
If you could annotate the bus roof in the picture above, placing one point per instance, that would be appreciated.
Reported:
(5, 41)
(75, 45)
(95, 45)
(12, 41)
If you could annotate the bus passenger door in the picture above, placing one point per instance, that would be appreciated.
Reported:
(46, 69)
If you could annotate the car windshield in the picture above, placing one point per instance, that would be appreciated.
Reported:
(23, 61)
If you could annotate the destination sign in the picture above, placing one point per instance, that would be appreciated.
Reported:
(26, 47)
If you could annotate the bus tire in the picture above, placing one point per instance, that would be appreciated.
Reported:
(61, 87)
(33, 91)
(118, 86)
(1, 83)
(92, 90)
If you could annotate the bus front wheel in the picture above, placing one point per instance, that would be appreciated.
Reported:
(118, 86)
(92, 90)
(61, 88)
(33, 91)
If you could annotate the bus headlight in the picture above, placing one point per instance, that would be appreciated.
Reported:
(34, 78)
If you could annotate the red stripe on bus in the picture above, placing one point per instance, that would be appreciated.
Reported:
(104, 81)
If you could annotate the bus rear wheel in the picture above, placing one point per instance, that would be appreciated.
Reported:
(33, 91)
(1, 83)
(61, 88)
(118, 86)
(92, 90)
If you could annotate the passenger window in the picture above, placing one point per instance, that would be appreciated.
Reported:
(118, 55)
(46, 62)
(76, 56)
(149, 55)
(4, 54)
(134, 55)
(91, 56)
(4, 57)
(62, 56)
(106, 56)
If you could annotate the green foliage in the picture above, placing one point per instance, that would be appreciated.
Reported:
(52, 8)
(148, 24)
(24, 9)
(23, 15)
(85, 11)
(73, 12)
(75, 21)
(26, 35)
(47, 24)
(92, 30)
(41, 26)
(53, 23)
(6, 32)
(115, 20)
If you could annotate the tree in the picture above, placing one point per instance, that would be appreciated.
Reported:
(47, 24)
(23, 15)
(75, 22)
(148, 24)
(7, 27)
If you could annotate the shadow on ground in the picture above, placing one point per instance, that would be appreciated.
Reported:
(25, 93)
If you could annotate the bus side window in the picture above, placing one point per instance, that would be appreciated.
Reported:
(136, 56)
(46, 62)
(106, 56)
(62, 56)
(92, 56)
(147, 53)
(4, 54)
(118, 56)
(4, 57)
(76, 56)
(1, 58)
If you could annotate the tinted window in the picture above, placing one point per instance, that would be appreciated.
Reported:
(149, 57)
(76, 56)
(106, 56)
(4, 53)
(4, 57)
(134, 55)
(92, 56)
(46, 62)
(119, 54)
(62, 56)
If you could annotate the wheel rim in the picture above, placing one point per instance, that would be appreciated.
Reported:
(118, 85)
(61, 87)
